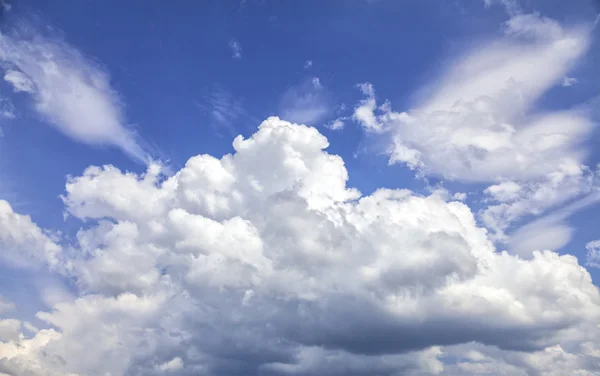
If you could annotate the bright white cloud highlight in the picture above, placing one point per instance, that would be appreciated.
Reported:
(22, 243)
(264, 261)
(69, 91)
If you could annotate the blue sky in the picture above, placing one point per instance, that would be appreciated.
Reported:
(486, 108)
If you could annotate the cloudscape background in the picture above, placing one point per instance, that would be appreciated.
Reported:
(263, 187)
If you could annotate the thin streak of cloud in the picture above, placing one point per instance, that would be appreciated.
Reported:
(222, 108)
(69, 91)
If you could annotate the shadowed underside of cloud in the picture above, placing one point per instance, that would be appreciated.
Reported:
(265, 262)
(68, 90)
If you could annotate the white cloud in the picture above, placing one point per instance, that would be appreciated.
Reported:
(9, 330)
(337, 124)
(265, 261)
(7, 110)
(505, 191)
(593, 254)
(22, 243)
(5, 305)
(534, 26)
(308, 64)
(460, 196)
(471, 128)
(174, 364)
(479, 122)
(569, 81)
(19, 81)
(512, 6)
(551, 231)
(308, 102)
(69, 91)
(236, 49)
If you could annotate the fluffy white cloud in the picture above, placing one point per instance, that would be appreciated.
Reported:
(69, 91)
(265, 262)
(479, 122)
(22, 243)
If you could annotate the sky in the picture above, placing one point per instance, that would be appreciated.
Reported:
(261, 187)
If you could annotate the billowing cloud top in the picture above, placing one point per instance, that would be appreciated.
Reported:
(268, 261)
(264, 261)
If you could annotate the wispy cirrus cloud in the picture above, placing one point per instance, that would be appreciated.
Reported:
(308, 102)
(68, 90)
(480, 123)
(223, 108)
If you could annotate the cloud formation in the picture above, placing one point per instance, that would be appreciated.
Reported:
(265, 262)
(69, 91)
(479, 122)
(306, 103)
(593, 254)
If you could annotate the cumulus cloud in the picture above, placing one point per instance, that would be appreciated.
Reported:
(22, 243)
(480, 123)
(307, 103)
(265, 261)
(68, 90)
